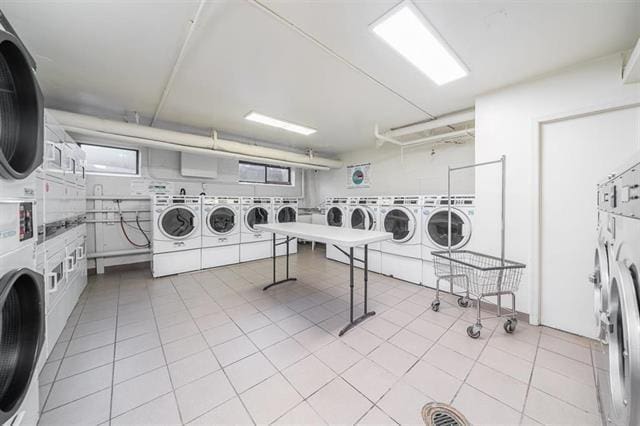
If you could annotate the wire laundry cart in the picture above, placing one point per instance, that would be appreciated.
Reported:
(482, 275)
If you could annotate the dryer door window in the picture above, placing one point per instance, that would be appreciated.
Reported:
(400, 224)
(222, 220)
(438, 229)
(257, 216)
(22, 334)
(358, 219)
(334, 216)
(286, 214)
(178, 222)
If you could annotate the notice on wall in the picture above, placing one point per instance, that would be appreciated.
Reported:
(358, 176)
(150, 187)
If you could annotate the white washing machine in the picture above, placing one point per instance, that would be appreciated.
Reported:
(619, 208)
(177, 240)
(435, 227)
(221, 218)
(402, 256)
(255, 244)
(285, 209)
(364, 213)
(336, 215)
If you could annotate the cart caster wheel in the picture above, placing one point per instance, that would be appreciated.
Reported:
(463, 302)
(510, 325)
(473, 331)
(435, 305)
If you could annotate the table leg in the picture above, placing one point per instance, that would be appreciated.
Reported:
(273, 257)
(366, 314)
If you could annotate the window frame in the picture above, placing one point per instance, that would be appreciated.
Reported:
(266, 181)
(138, 172)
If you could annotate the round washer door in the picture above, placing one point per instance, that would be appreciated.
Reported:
(178, 222)
(21, 126)
(437, 228)
(22, 328)
(359, 219)
(221, 220)
(256, 216)
(401, 223)
(286, 214)
(624, 341)
(600, 280)
(335, 216)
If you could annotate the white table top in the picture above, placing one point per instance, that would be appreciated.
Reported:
(345, 237)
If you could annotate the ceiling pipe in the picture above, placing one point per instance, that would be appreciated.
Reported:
(444, 121)
(172, 140)
(429, 139)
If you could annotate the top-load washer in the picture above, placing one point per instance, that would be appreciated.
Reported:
(285, 209)
(336, 215)
(401, 256)
(619, 385)
(364, 213)
(435, 229)
(255, 244)
(220, 231)
(176, 234)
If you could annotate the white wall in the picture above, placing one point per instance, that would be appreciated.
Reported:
(505, 124)
(165, 166)
(417, 173)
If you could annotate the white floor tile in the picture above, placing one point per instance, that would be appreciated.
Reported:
(270, 399)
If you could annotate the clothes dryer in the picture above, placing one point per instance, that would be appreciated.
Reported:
(221, 218)
(177, 239)
(364, 213)
(401, 257)
(285, 209)
(255, 244)
(336, 215)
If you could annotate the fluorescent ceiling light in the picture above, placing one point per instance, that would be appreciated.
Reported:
(406, 30)
(263, 119)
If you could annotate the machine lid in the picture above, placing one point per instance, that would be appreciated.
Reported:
(22, 336)
(178, 222)
(21, 127)
(256, 216)
(437, 228)
(286, 214)
(401, 223)
(221, 220)
(335, 216)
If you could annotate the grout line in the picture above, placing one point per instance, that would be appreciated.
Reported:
(113, 362)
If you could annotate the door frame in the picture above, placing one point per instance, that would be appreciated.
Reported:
(535, 293)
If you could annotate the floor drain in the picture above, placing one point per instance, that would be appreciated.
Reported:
(438, 414)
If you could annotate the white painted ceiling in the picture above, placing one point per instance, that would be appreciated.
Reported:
(113, 57)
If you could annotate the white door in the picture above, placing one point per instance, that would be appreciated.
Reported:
(575, 155)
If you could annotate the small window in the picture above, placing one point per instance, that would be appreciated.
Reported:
(111, 160)
(264, 173)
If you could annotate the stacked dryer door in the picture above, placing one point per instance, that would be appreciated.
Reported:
(285, 210)
(255, 244)
(401, 257)
(618, 295)
(364, 213)
(336, 215)
(435, 235)
(177, 239)
(220, 231)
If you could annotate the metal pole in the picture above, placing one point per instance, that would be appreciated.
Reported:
(287, 257)
(449, 211)
(503, 161)
(351, 283)
(366, 274)
(273, 256)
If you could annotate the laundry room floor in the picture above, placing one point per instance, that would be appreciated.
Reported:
(212, 347)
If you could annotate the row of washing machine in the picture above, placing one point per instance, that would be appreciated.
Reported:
(419, 225)
(192, 233)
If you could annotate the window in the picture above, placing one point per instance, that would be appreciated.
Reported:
(264, 173)
(112, 160)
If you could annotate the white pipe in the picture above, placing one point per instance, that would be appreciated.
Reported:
(117, 253)
(428, 139)
(169, 139)
(446, 120)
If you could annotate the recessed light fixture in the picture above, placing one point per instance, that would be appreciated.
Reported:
(406, 30)
(285, 125)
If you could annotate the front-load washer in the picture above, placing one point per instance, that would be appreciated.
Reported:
(401, 257)
(255, 244)
(220, 231)
(285, 209)
(364, 213)
(619, 385)
(176, 234)
(336, 215)
(435, 228)
(600, 278)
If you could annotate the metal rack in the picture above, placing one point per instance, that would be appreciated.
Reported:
(483, 275)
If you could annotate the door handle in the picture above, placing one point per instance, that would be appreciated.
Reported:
(52, 278)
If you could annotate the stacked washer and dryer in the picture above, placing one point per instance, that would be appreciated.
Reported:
(617, 294)
(22, 304)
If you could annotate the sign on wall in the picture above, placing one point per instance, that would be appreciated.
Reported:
(358, 176)
(150, 187)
